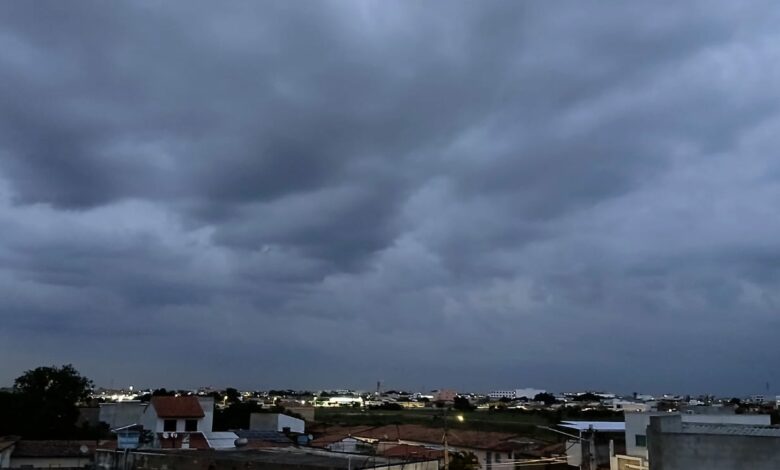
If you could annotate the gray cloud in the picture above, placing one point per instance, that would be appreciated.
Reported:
(466, 195)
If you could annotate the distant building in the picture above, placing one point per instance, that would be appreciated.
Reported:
(516, 394)
(445, 395)
(616, 404)
(182, 422)
(494, 450)
(339, 401)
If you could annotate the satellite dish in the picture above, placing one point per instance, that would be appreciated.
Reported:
(165, 435)
(83, 449)
(174, 435)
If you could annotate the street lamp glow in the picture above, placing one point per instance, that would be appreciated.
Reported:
(459, 418)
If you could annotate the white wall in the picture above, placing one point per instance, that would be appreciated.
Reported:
(5, 457)
(636, 423)
(529, 393)
(295, 424)
(207, 423)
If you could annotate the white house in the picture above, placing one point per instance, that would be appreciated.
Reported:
(179, 422)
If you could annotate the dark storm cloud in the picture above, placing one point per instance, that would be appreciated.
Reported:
(571, 195)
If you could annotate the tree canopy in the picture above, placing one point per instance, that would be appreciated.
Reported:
(44, 403)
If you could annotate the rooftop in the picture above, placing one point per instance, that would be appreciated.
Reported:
(418, 433)
(598, 426)
(177, 407)
(52, 448)
(731, 429)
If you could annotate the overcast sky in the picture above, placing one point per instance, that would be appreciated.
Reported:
(476, 195)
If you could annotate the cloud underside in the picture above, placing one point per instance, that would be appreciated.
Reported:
(323, 194)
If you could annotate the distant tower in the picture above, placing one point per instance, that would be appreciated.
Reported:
(378, 387)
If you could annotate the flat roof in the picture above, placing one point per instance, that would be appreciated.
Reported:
(598, 426)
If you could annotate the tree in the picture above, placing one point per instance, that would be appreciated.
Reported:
(463, 461)
(547, 398)
(463, 404)
(587, 396)
(232, 395)
(49, 398)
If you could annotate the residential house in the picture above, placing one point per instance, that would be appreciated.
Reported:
(23, 453)
(179, 422)
(494, 450)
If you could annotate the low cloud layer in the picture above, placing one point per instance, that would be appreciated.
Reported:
(469, 195)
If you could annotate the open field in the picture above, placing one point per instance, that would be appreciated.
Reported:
(515, 421)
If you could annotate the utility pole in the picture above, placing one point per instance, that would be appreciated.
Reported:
(590, 462)
(591, 448)
(446, 449)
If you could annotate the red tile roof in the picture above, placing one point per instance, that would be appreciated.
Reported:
(53, 448)
(177, 407)
(410, 452)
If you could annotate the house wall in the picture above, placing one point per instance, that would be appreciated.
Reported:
(207, 423)
(486, 458)
(5, 457)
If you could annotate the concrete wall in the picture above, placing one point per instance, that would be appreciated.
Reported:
(121, 414)
(637, 423)
(681, 451)
(207, 423)
(5, 457)
(275, 422)
(214, 461)
(55, 462)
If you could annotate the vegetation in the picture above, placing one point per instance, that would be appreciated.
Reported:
(44, 405)
(523, 422)
(463, 461)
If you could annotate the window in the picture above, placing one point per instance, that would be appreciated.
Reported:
(169, 425)
(191, 425)
(641, 440)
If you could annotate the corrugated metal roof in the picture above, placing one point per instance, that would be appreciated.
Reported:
(731, 429)
(221, 440)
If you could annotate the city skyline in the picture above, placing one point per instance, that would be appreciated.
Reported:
(579, 195)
